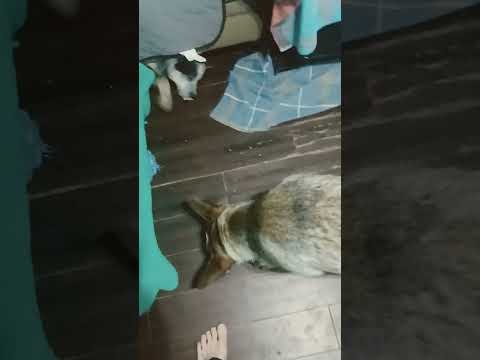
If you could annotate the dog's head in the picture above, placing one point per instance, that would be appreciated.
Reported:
(185, 74)
(218, 263)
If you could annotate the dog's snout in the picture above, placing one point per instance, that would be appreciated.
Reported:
(190, 97)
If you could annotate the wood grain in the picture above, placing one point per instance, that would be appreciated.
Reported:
(291, 336)
(87, 311)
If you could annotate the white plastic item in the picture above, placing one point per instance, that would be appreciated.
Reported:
(192, 55)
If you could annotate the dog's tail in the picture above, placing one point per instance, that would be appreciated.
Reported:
(164, 99)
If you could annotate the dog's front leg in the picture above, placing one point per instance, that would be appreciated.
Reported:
(164, 98)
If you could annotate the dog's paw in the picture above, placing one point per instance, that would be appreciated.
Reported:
(167, 107)
(164, 99)
(260, 265)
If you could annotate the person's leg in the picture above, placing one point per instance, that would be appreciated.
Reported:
(21, 331)
(213, 344)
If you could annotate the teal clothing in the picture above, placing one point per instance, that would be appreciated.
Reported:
(300, 28)
(21, 331)
(155, 272)
(314, 15)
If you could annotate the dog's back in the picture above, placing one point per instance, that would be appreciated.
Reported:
(298, 224)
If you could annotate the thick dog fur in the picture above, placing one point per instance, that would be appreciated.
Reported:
(294, 227)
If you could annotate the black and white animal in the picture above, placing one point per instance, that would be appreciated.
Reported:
(183, 73)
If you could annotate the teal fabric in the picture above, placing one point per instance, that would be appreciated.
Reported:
(155, 272)
(21, 331)
(299, 29)
(314, 15)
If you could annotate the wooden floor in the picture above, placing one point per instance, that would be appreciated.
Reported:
(409, 164)
(270, 316)
(83, 93)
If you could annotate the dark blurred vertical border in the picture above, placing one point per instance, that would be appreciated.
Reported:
(411, 183)
(78, 78)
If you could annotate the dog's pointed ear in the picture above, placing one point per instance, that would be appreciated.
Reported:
(207, 212)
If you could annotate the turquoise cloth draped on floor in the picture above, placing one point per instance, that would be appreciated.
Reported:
(162, 31)
(21, 329)
(155, 272)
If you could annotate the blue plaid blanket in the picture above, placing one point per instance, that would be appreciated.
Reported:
(256, 99)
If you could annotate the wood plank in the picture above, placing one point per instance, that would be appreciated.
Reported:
(421, 127)
(179, 234)
(169, 200)
(66, 227)
(428, 97)
(330, 355)
(87, 311)
(423, 63)
(92, 139)
(287, 337)
(192, 147)
(128, 352)
(71, 65)
(356, 100)
(243, 184)
(220, 62)
(434, 140)
(187, 265)
(189, 154)
(404, 78)
(190, 144)
(245, 295)
(201, 146)
(433, 33)
(336, 312)
(85, 96)
(180, 121)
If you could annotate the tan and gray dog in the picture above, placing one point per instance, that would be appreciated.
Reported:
(295, 227)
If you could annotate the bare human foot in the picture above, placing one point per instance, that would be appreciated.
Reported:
(213, 344)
